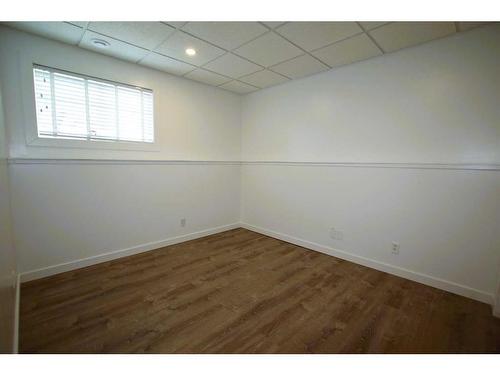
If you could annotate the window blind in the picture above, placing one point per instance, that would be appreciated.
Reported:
(74, 106)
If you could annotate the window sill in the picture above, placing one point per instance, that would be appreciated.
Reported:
(100, 145)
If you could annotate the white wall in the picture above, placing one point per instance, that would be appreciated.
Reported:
(8, 271)
(435, 103)
(68, 212)
(446, 221)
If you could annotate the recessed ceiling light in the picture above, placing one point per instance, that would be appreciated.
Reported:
(190, 51)
(100, 43)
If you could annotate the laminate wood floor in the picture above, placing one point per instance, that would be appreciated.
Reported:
(242, 292)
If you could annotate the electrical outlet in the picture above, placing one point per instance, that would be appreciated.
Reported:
(336, 234)
(340, 234)
(395, 248)
(183, 222)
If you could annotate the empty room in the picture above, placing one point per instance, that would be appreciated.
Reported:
(250, 186)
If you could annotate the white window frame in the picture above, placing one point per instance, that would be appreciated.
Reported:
(26, 65)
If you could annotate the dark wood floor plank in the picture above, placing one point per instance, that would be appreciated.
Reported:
(242, 292)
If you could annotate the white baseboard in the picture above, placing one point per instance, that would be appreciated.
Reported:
(435, 282)
(15, 341)
(79, 263)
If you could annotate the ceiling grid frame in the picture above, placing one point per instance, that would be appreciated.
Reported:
(371, 38)
(273, 28)
(231, 52)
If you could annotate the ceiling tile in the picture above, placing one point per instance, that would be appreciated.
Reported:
(228, 35)
(61, 31)
(176, 24)
(314, 35)
(268, 50)
(166, 64)
(464, 26)
(238, 87)
(300, 67)
(273, 25)
(143, 34)
(356, 48)
(369, 25)
(264, 78)
(399, 35)
(176, 45)
(116, 48)
(207, 77)
(82, 24)
(232, 66)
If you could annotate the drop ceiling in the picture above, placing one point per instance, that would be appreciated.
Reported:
(245, 56)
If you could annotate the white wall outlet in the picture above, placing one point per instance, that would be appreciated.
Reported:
(183, 222)
(395, 248)
(340, 234)
(336, 234)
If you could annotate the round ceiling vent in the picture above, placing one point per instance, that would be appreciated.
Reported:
(100, 43)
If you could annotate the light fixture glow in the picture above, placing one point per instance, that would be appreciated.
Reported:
(100, 43)
(190, 51)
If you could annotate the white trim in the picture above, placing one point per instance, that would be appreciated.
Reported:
(478, 167)
(452, 166)
(121, 161)
(435, 282)
(432, 281)
(15, 341)
(61, 142)
(104, 257)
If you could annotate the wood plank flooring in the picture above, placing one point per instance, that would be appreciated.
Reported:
(242, 292)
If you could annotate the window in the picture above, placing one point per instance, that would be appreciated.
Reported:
(73, 106)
